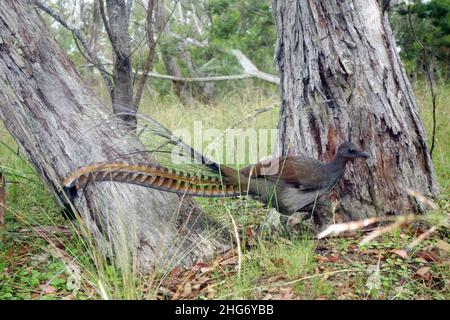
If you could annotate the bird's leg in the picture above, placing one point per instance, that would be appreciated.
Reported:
(284, 219)
(323, 214)
(311, 216)
(298, 222)
(317, 218)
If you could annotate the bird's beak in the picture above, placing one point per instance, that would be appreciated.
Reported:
(362, 154)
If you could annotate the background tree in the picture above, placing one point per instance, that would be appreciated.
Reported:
(116, 22)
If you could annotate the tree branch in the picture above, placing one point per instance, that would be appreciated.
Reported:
(250, 70)
(151, 53)
(91, 56)
(199, 79)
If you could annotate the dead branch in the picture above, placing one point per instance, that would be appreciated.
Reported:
(198, 79)
(398, 222)
(338, 228)
(420, 238)
(251, 69)
(151, 53)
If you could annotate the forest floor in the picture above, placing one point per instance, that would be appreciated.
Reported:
(44, 256)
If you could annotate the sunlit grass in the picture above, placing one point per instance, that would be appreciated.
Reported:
(441, 153)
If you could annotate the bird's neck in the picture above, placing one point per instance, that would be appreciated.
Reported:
(337, 166)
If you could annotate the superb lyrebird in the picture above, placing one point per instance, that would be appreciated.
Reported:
(288, 184)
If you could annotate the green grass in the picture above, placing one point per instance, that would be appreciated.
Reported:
(441, 152)
(67, 264)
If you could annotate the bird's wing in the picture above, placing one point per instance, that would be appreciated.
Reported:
(304, 173)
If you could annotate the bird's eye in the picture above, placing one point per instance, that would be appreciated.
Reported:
(351, 150)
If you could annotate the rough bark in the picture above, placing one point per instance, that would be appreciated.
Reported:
(55, 120)
(342, 79)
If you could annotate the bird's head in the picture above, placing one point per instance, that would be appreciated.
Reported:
(349, 151)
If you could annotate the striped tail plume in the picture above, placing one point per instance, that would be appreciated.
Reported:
(151, 176)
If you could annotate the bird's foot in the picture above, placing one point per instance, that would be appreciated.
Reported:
(275, 223)
(273, 220)
(290, 225)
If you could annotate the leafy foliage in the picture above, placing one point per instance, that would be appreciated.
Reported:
(245, 25)
(423, 31)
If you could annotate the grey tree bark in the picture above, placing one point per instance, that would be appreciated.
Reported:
(342, 79)
(60, 125)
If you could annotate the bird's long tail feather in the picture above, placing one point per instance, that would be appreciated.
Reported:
(204, 178)
(152, 176)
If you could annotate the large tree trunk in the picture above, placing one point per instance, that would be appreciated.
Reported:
(341, 78)
(55, 120)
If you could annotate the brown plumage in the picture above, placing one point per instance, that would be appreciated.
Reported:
(287, 184)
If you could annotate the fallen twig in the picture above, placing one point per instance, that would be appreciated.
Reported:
(338, 228)
(420, 238)
(399, 221)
